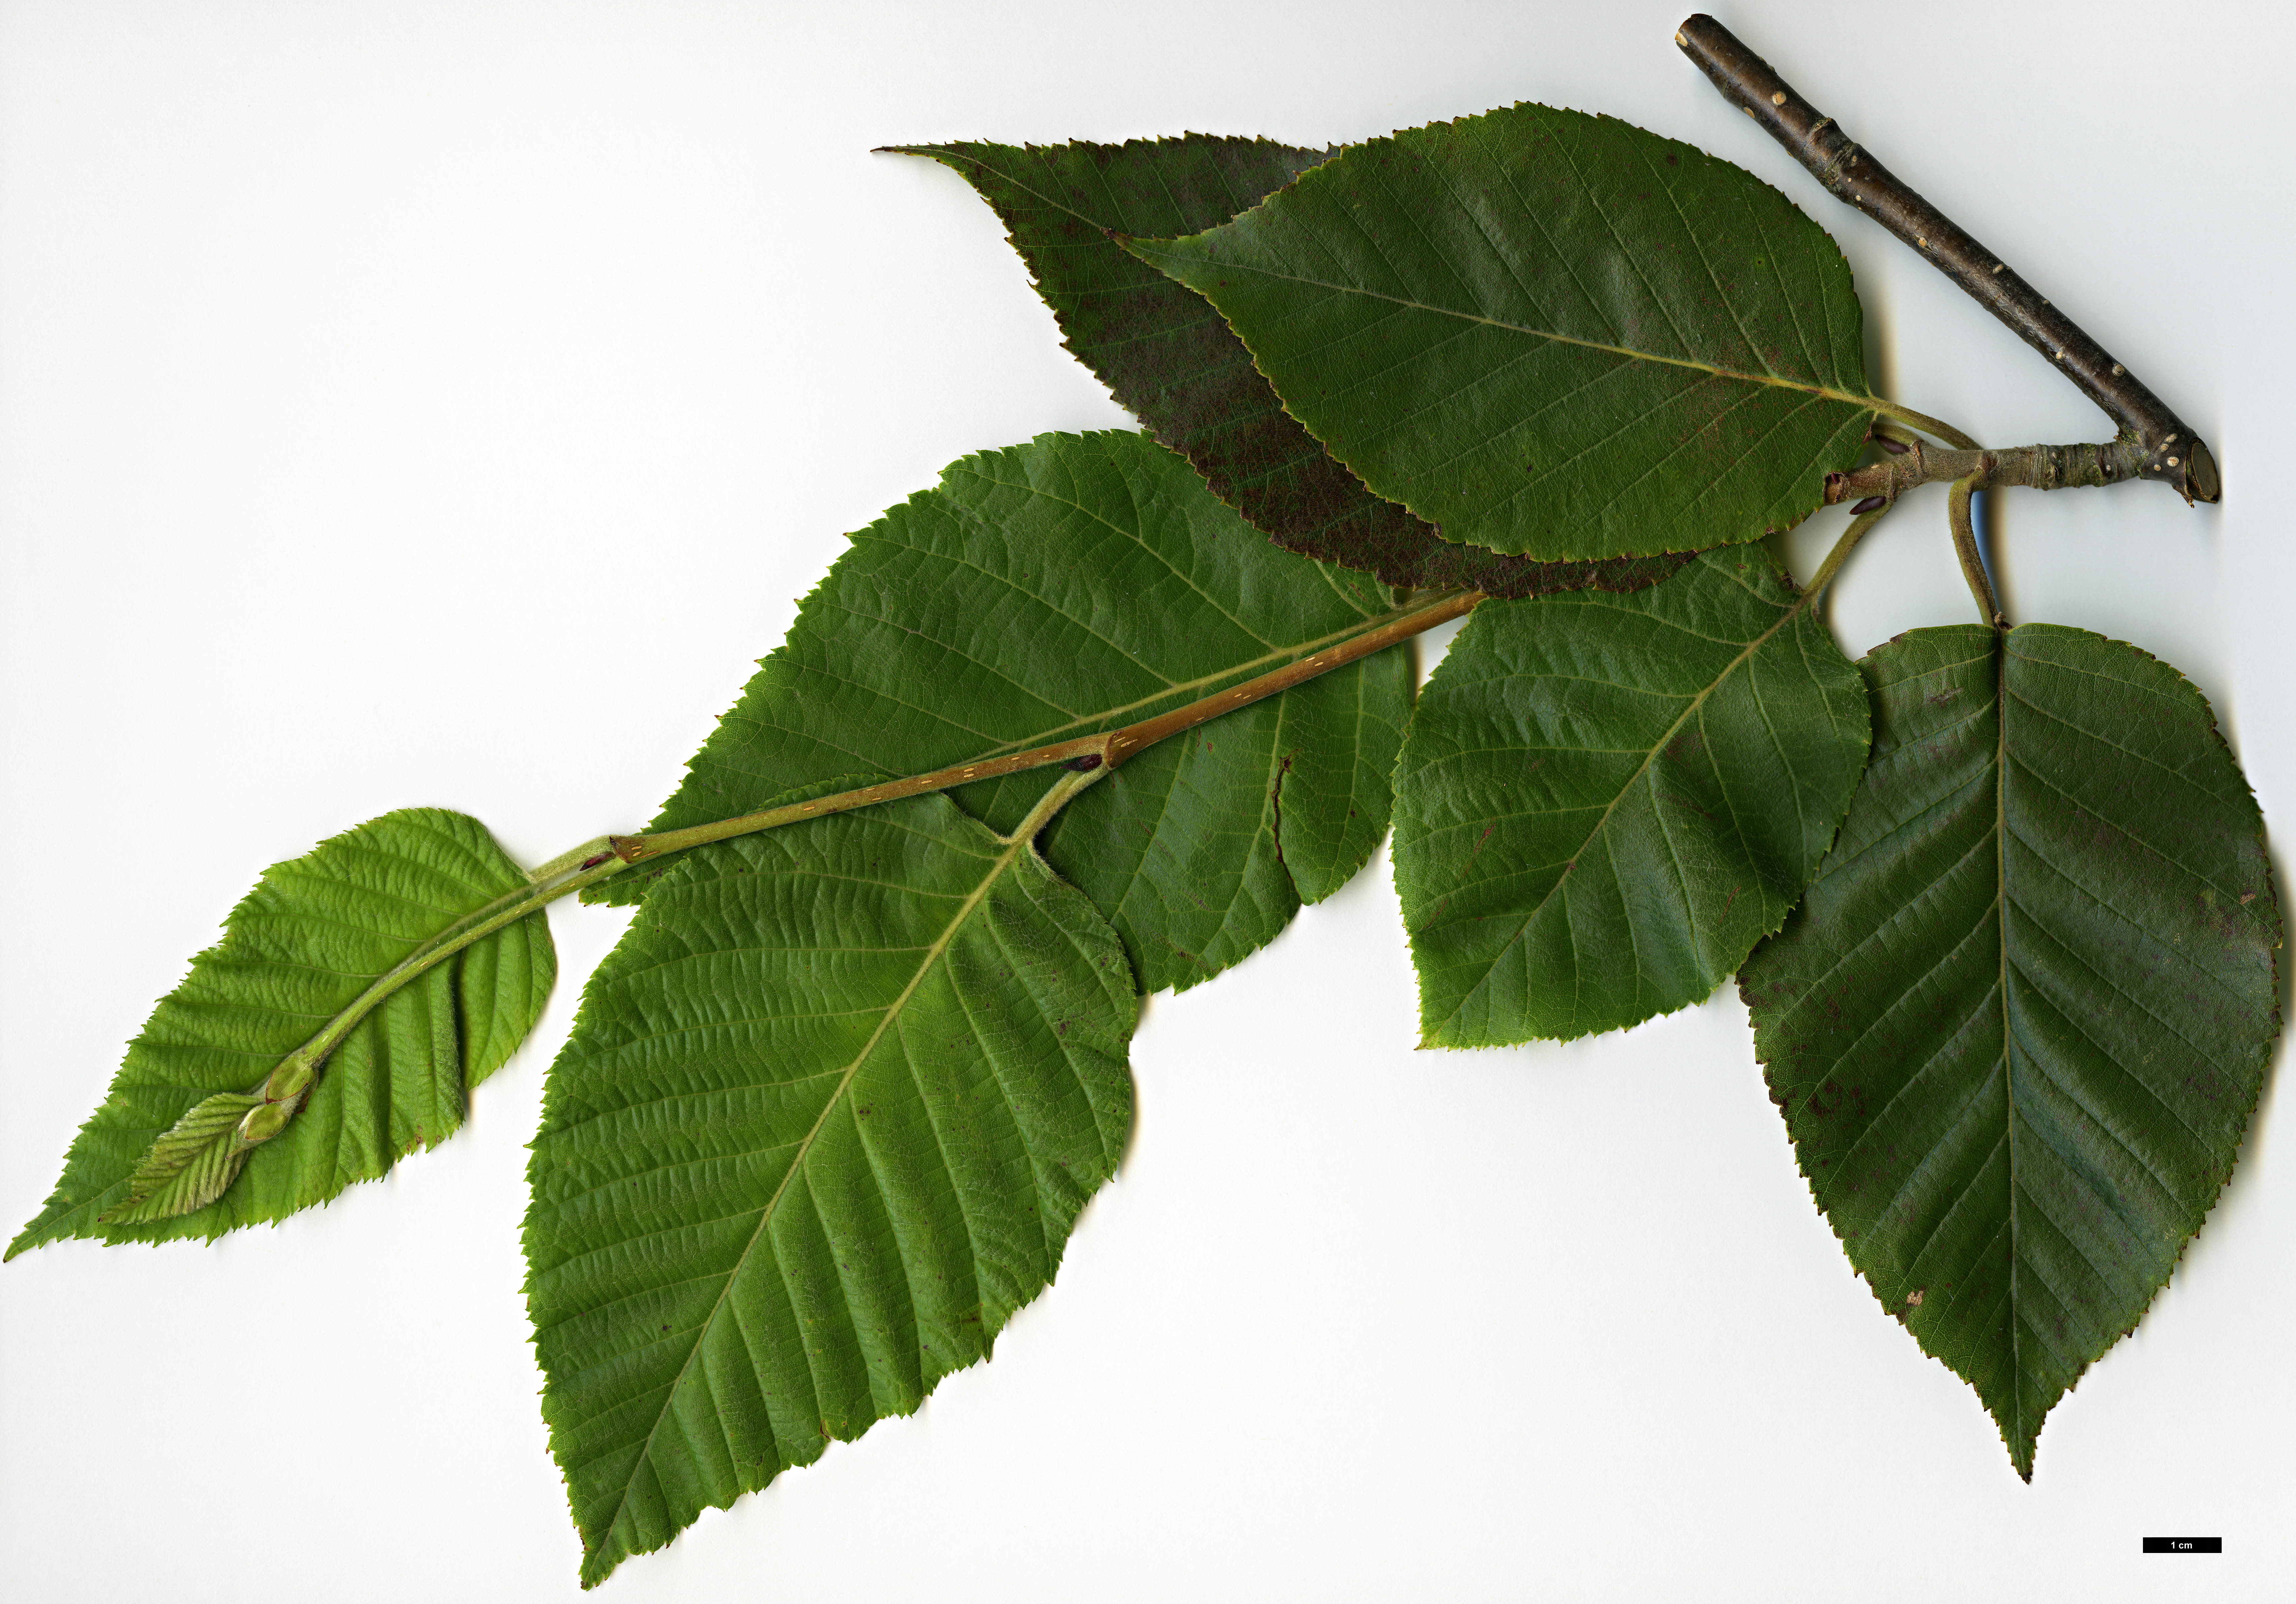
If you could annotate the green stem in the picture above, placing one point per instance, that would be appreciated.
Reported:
(1089, 758)
(570, 860)
(292, 1077)
(1965, 547)
(1085, 752)
(1062, 791)
(1924, 422)
(1843, 547)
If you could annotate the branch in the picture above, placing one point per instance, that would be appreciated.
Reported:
(1085, 753)
(193, 1161)
(2161, 445)
(1913, 461)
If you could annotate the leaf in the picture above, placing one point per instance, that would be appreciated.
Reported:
(191, 1163)
(1172, 361)
(1062, 588)
(299, 949)
(2019, 1022)
(827, 1118)
(1606, 801)
(1551, 333)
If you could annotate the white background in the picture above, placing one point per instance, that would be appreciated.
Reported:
(444, 403)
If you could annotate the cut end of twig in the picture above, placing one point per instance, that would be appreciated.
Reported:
(2201, 481)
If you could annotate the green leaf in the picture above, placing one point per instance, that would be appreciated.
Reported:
(1062, 589)
(826, 1120)
(2021, 1021)
(1606, 801)
(1172, 361)
(1551, 333)
(191, 1163)
(296, 951)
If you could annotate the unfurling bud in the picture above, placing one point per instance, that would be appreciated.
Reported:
(190, 1164)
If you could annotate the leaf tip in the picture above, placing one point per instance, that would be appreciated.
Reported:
(2017, 1440)
(599, 1563)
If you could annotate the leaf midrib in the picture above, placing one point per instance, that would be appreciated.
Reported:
(997, 867)
(2008, 1031)
(1824, 391)
(1057, 204)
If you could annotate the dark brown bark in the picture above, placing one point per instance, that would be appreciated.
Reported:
(2161, 446)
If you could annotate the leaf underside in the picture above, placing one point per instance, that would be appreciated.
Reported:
(1550, 333)
(1605, 800)
(827, 1117)
(296, 952)
(1070, 586)
(2019, 1022)
(1171, 360)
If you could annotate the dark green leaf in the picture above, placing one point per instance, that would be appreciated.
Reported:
(1551, 333)
(1606, 801)
(1172, 361)
(824, 1122)
(301, 947)
(2019, 1022)
(1062, 588)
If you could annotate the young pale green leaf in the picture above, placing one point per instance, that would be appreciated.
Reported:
(1606, 801)
(1062, 588)
(1171, 359)
(1551, 333)
(190, 1163)
(826, 1120)
(2019, 1024)
(315, 932)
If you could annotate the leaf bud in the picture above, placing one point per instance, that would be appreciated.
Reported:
(287, 1081)
(265, 1122)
